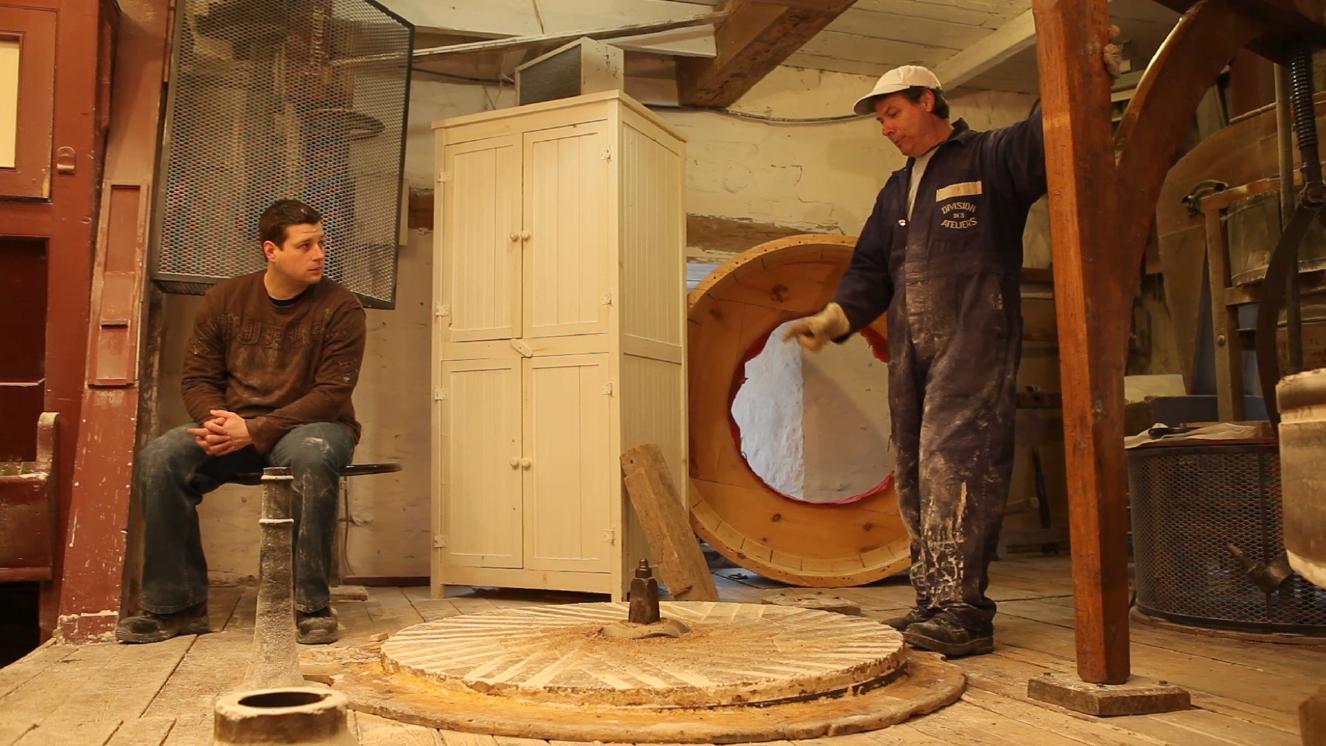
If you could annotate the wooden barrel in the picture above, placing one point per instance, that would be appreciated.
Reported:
(1302, 401)
(804, 543)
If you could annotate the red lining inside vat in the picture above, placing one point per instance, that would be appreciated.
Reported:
(878, 348)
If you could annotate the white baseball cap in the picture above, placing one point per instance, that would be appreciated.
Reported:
(897, 79)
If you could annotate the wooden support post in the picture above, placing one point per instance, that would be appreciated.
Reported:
(1100, 219)
(1089, 296)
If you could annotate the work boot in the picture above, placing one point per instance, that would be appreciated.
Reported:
(317, 627)
(150, 627)
(942, 634)
(914, 615)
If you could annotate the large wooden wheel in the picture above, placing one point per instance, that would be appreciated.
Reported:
(731, 507)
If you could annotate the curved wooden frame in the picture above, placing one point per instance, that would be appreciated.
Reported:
(744, 519)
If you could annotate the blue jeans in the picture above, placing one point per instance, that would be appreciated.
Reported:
(172, 476)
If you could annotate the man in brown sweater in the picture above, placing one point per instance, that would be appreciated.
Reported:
(267, 380)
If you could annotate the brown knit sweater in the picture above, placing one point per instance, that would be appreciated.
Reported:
(276, 366)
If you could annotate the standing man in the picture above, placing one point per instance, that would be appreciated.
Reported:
(267, 378)
(942, 252)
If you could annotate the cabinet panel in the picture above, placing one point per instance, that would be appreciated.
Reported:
(567, 214)
(652, 238)
(569, 483)
(481, 478)
(481, 219)
(27, 101)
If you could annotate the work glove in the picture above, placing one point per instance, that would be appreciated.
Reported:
(813, 331)
(1112, 54)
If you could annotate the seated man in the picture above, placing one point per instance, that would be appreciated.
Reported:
(267, 376)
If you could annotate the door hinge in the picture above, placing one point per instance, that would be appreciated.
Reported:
(607, 388)
(439, 542)
(606, 154)
(607, 299)
(441, 310)
(610, 536)
(443, 177)
(439, 395)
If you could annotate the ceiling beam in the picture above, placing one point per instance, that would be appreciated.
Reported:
(495, 19)
(999, 45)
(756, 37)
(524, 42)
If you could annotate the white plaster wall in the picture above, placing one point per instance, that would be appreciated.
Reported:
(818, 177)
(433, 98)
(768, 409)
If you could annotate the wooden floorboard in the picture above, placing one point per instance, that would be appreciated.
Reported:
(143, 732)
(376, 731)
(162, 695)
(87, 733)
(221, 603)
(30, 666)
(12, 729)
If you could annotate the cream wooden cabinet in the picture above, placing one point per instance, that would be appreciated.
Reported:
(559, 336)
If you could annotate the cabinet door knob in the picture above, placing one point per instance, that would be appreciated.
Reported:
(514, 237)
(515, 462)
(525, 463)
(524, 235)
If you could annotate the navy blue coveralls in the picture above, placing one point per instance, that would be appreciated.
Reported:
(950, 278)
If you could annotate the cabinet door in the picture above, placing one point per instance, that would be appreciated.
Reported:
(570, 476)
(27, 99)
(567, 215)
(481, 239)
(481, 513)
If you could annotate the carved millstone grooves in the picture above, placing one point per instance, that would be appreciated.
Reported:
(740, 673)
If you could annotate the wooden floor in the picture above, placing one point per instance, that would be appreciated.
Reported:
(1242, 692)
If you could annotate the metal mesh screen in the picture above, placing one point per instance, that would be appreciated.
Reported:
(270, 99)
(1188, 504)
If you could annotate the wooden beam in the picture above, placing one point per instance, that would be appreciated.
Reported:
(108, 435)
(1088, 291)
(754, 39)
(666, 520)
(536, 40)
(495, 19)
(1001, 44)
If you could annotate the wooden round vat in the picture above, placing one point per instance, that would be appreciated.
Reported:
(1302, 400)
(821, 545)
